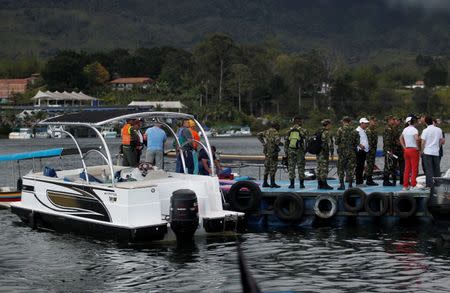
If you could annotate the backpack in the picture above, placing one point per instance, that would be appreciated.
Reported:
(295, 139)
(314, 143)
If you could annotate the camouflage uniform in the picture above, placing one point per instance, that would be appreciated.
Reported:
(271, 141)
(372, 136)
(296, 155)
(347, 139)
(324, 155)
(398, 151)
(389, 143)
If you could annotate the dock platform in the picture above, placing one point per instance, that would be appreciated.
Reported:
(282, 206)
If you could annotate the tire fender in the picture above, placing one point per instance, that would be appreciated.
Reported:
(289, 207)
(352, 192)
(320, 211)
(235, 196)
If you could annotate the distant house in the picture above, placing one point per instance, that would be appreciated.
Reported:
(417, 84)
(8, 87)
(63, 99)
(129, 83)
(163, 105)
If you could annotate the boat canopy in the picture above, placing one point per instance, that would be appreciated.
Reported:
(32, 155)
(102, 117)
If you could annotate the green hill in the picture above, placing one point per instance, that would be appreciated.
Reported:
(356, 28)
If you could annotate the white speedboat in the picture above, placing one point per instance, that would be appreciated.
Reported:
(108, 132)
(22, 133)
(57, 131)
(41, 132)
(123, 203)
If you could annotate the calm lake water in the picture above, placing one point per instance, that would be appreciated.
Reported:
(360, 258)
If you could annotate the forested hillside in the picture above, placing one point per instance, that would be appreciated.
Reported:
(354, 28)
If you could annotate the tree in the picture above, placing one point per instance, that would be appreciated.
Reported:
(96, 75)
(65, 71)
(436, 75)
(240, 82)
(213, 58)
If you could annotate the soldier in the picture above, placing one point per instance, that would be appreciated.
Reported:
(390, 159)
(327, 149)
(372, 136)
(347, 140)
(295, 149)
(271, 142)
(398, 149)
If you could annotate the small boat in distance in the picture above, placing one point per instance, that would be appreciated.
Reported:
(108, 132)
(21, 133)
(235, 131)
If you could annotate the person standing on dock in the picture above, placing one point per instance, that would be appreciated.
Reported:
(372, 136)
(347, 139)
(390, 159)
(410, 143)
(432, 140)
(398, 149)
(295, 149)
(323, 157)
(361, 150)
(271, 142)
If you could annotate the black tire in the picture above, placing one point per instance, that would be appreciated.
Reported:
(289, 207)
(244, 201)
(405, 205)
(372, 200)
(352, 193)
(325, 206)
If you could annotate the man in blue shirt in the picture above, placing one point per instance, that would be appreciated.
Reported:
(156, 137)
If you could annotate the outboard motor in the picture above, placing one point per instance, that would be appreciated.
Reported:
(439, 203)
(184, 214)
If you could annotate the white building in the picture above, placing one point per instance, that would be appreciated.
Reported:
(163, 105)
(64, 99)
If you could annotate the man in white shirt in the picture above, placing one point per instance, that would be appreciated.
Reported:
(432, 139)
(361, 150)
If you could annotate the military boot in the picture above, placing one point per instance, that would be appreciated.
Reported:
(302, 183)
(341, 185)
(265, 184)
(370, 181)
(325, 185)
(292, 183)
(350, 183)
(386, 181)
(272, 182)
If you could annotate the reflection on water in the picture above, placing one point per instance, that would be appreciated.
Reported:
(353, 258)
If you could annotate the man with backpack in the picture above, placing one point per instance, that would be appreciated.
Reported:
(323, 156)
(271, 142)
(347, 139)
(295, 149)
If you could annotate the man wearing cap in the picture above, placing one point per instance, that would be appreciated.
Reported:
(295, 149)
(390, 160)
(347, 140)
(323, 157)
(361, 150)
(372, 136)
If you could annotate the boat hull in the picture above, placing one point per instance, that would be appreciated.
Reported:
(62, 224)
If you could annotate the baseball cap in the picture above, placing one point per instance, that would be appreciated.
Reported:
(408, 119)
(363, 120)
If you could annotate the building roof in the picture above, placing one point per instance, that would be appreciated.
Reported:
(14, 81)
(158, 104)
(134, 80)
(48, 95)
(420, 82)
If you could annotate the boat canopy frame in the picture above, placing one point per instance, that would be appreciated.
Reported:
(94, 122)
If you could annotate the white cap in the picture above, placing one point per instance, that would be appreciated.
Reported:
(363, 120)
(408, 119)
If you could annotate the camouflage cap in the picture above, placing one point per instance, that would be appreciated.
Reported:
(325, 122)
(346, 119)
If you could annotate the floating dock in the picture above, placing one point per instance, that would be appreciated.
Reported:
(275, 207)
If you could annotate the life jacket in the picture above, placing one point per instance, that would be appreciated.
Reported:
(195, 136)
(126, 134)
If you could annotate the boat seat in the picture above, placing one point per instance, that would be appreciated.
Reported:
(91, 177)
(49, 172)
